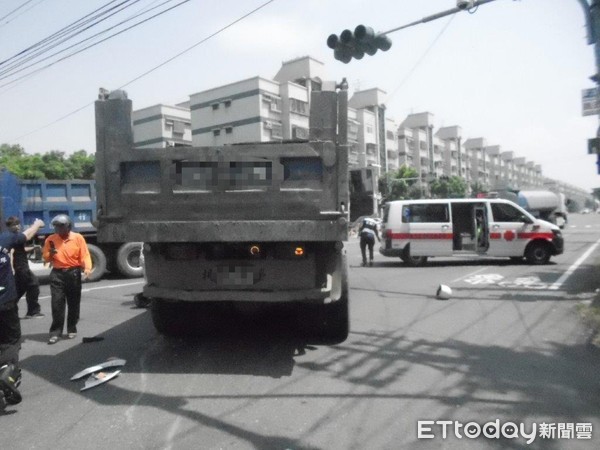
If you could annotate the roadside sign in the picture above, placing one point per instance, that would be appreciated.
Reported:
(589, 102)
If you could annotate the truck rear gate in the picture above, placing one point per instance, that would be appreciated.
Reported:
(240, 223)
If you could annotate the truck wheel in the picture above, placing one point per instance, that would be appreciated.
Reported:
(98, 263)
(128, 260)
(184, 318)
(336, 324)
(412, 261)
(169, 318)
(537, 253)
(329, 323)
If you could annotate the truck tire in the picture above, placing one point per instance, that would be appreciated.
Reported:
(336, 321)
(168, 317)
(329, 323)
(128, 260)
(412, 261)
(176, 319)
(98, 263)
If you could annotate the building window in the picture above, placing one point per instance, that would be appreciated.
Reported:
(299, 133)
(274, 103)
(216, 132)
(227, 103)
(390, 135)
(228, 130)
(369, 129)
(276, 129)
(215, 106)
(298, 106)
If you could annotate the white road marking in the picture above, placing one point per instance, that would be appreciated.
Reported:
(468, 275)
(558, 283)
(110, 286)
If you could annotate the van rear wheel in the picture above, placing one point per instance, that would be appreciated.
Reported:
(412, 261)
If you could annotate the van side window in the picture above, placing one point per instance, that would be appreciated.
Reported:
(425, 213)
(503, 212)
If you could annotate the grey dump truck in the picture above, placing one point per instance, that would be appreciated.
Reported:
(236, 225)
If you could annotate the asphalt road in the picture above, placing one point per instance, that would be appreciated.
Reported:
(507, 346)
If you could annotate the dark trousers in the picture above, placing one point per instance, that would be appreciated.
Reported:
(368, 241)
(65, 289)
(28, 284)
(10, 333)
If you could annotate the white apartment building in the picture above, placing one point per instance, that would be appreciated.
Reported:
(260, 109)
(456, 162)
(377, 139)
(245, 111)
(162, 126)
(418, 144)
(475, 148)
(494, 167)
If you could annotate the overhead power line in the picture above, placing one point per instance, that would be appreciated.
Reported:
(60, 119)
(74, 28)
(20, 14)
(16, 69)
(15, 10)
(27, 75)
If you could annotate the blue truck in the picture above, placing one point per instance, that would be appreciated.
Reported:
(43, 199)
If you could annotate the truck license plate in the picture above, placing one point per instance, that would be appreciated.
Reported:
(231, 275)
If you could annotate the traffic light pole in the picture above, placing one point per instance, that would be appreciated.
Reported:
(438, 16)
(592, 18)
(364, 40)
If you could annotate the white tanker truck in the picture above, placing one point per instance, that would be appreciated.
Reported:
(542, 204)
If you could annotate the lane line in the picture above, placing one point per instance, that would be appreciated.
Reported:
(110, 286)
(558, 283)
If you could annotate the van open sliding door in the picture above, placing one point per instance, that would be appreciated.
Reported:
(430, 229)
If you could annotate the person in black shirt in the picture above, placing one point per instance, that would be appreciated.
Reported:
(26, 281)
(368, 232)
(10, 327)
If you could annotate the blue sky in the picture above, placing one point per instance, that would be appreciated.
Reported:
(512, 72)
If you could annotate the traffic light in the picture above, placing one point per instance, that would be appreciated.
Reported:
(350, 45)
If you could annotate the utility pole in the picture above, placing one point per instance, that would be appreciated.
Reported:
(591, 10)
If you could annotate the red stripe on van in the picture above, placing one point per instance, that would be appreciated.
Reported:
(525, 235)
(420, 235)
(534, 235)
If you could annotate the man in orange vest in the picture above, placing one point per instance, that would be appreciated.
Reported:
(69, 255)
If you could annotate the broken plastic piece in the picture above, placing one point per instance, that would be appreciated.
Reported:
(98, 368)
(99, 378)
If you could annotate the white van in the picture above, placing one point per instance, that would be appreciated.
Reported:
(417, 229)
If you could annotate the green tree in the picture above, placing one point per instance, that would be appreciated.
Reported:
(457, 187)
(400, 184)
(82, 165)
(478, 187)
(53, 165)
